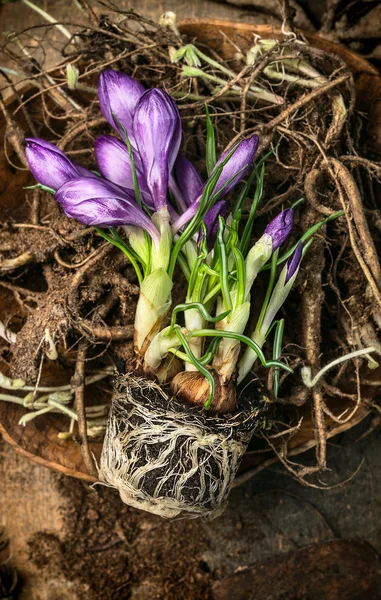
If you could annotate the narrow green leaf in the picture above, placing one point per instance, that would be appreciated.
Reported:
(196, 363)
(245, 240)
(211, 156)
(224, 267)
(277, 351)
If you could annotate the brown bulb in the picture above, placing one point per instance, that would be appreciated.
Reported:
(193, 388)
(167, 370)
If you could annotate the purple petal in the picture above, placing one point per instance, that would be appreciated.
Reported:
(186, 216)
(119, 94)
(157, 129)
(211, 223)
(242, 158)
(114, 164)
(99, 202)
(188, 180)
(49, 165)
(279, 228)
(294, 262)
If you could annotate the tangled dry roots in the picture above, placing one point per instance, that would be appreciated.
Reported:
(328, 156)
(171, 459)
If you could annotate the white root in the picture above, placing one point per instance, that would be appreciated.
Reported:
(56, 400)
(310, 381)
(7, 334)
(168, 458)
(8, 264)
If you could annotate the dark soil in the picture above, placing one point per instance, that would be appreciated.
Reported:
(113, 548)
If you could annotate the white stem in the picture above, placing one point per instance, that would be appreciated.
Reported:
(306, 371)
(48, 18)
(18, 384)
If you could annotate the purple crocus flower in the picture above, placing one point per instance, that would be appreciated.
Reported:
(50, 166)
(211, 223)
(114, 164)
(293, 262)
(279, 228)
(97, 202)
(238, 164)
(157, 130)
(119, 95)
(242, 158)
(188, 180)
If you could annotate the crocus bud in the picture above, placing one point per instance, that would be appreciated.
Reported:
(279, 228)
(283, 287)
(188, 180)
(49, 165)
(274, 235)
(293, 263)
(72, 74)
(114, 164)
(278, 297)
(157, 130)
(118, 95)
(211, 223)
(97, 202)
(238, 164)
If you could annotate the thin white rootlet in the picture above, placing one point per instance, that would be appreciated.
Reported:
(194, 467)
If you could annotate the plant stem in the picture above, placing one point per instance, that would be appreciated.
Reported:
(306, 371)
(48, 18)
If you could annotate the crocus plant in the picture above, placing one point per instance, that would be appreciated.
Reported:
(150, 202)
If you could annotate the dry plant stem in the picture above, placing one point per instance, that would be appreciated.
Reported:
(78, 129)
(8, 264)
(107, 333)
(360, 237)
(221, 92)
(288, 112)
(13, 135)
(77, 279)
(78, 383)
(310, 187)
(35, 212)
(312, 300)
(305, 99)
(266, 58)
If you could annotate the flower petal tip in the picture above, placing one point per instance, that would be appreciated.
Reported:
(293, 262)
(279, 228)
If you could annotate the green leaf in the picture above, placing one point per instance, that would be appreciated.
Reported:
(224, 267)
(277, 351)
(245, 340)
(196, 363)
(245, 240)
(211, 156)
(198, 306)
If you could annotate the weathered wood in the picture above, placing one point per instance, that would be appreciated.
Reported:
(333, 570)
